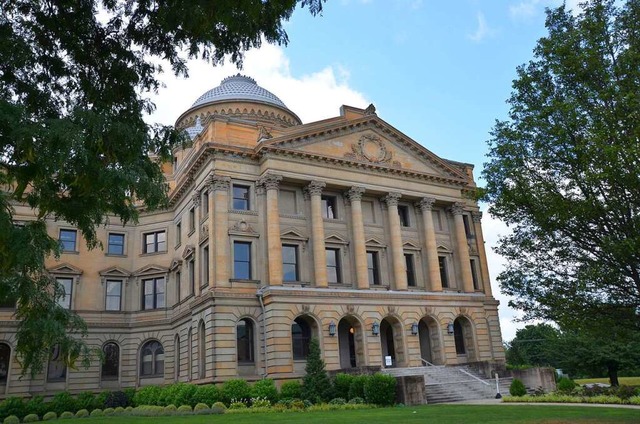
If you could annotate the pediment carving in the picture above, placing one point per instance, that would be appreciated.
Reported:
(242, 227)
(151, 269)
(65, 268)
(114, 271)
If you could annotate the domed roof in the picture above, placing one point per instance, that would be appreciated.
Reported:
(239, 87)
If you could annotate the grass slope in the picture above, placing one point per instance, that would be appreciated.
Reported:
(441, 414)
(627, 381)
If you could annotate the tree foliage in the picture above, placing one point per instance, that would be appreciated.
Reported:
(74, 83)
(316, 385)
(564, 169)
(534, 345)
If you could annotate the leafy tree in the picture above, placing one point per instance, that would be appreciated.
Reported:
(316, 385)
(564, 170)
(534, 345)
(74, 84)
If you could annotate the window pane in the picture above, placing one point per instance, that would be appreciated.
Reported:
(116, 244)
(111, 361)
(242, 260)
(331, 258)
(68, 240)
(289, 272)
(114, 290)
(241, 251)
(240, 197)
(66, 284)
(162, 241)
(444, 276)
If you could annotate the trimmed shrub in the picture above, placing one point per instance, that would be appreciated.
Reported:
(63, 401)
(337, 401)
(83, 413)
(115, 399)
(216, 410)
(130, 393)
(170, 409)
(185, 395)
(380, 389)
(148, 395)
(291, 390)
(86, 400)
(108, 411)
(66, 415)
(237, 404)
(219, 405)
(31, 418)
(356, 389)
(13, 406)
(11, 419)
(50, 416)
(129, 408)
(341, 384)
(148, 411)
(265, 389)
(517, 388)
(207, 393)
(119, 410)
(260, 402)
(36, 405)
(565, 385)
(184, 409)
(316, 386)
(237, 390)
(298, 404)
(625, 392)
(97, 413)
(201, 409)
(356, 401)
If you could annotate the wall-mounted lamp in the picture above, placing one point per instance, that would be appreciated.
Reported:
(332, 328)
(375, 328)
(450, 328)
(414, 329)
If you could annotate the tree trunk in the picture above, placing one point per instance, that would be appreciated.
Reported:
(612, 370)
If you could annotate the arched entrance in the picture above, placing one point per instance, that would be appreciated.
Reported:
(391, 342)
(350, 343)
(464, 339)
(430, 343)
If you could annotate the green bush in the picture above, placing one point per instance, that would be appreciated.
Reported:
(291, 390)
(147, 396)
(66, 415)
(216, 410)
(265, 389)
(50, 416)
(83, 413)
(298, 404)
(380, 389)
(148, 411)
(97, 413)
(36, 405)
(237, 404)
(115, 399)
(625, 392)
(517, 388)
(185, 409)
(129, 392)
(356, 389)
(356, 401)
(170, 409)
(200, 407)
(219, 405)
(341, 384)
(337, 401)
(86, 400)
(11, 419)
(13, 406)
(565, 385)
(31, 418)
(260, 402)
(109, 411)
(316, 385)
(61, 402)
(185, 395)
(119, 410)
(237, 389)
(207, 393)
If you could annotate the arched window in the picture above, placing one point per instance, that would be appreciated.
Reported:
(300, 338)
(5, 357)
(152, 359)
(244, 338)
(57, 370)
(201, 351)
(111, 364)
(177, 356)
(459, 337)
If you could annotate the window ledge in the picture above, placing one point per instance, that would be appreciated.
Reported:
(154, 253)
(115, 255)
(70, 252)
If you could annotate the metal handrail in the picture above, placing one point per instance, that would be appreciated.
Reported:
(473, 376)
(427, 363)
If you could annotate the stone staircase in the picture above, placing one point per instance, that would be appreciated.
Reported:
(453, 384)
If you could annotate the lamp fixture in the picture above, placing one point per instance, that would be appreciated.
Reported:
(450, 328)
(414, 329)
(332, 328)
(375, 328)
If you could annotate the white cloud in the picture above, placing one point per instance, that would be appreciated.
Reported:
(483, 31)
(527, 9)
(312, 97)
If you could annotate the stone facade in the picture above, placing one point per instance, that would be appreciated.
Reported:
(345, 230)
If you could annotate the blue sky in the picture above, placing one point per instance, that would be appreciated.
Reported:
(439, 71)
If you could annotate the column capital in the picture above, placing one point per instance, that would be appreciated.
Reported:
(476, 216)
(426, 203)
(391, 199)
(314, 188)
(270, 181)
(219, 182)
(456, 209)
(196, 198)
(354, 194)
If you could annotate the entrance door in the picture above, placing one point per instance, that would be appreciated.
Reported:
(347, 343)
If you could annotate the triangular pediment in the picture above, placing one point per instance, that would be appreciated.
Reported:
(175, 264)
(293, 234)
(151, 269)
(443, 248)
(411, 245)
(114, 271)
(374, 242)
(336, 239)
(369, 141)
(188, 251)
(65, 268)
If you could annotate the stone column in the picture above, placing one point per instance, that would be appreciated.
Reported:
(271, 182)
(433, 266)
(462, 248)
(212, 236)
(395, 235)
(220, 187)
(359, 249)
(196, 254)
(314, 190)
(484, 270)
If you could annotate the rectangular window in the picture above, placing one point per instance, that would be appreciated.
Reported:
(333, 266)
(411, 269)
(403, 213)
(114, 295)
(444, 273)
(474, 274)
(178, 234)
(115, 244)
(153, 295)
(192, 276)
(192, 220)
(205, 203)
(329, 209)
(241, 198)
(242, 260)
(155, 242)
(290, 263)
(66, 287)
(373, 269)
(205, 267)
(68, 240)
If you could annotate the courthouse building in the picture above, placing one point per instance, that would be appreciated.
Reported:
(277, 232)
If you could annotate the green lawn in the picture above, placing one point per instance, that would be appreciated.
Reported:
(440, 414)
(628, 381)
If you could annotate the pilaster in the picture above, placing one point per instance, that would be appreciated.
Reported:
(220, 187)
(462, 248)
(484, 269)
(354, 195)
(314, 191)
(271, 183)
(433, 266)
(395, 235)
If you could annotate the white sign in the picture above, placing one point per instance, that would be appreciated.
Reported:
(388, 361)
